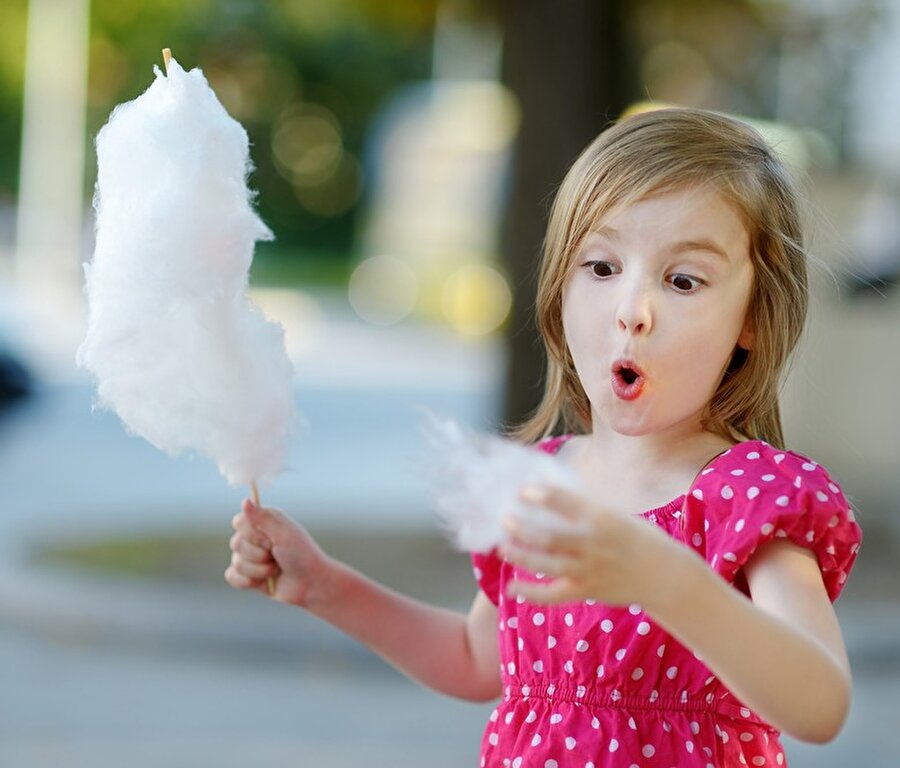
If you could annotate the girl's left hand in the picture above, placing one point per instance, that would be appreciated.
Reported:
(587, 552)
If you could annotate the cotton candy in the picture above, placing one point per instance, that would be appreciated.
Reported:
(177, 350)
(477, 479)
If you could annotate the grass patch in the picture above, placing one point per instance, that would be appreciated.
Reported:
(421, 564)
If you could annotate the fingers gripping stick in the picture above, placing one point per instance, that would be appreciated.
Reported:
(270, 582)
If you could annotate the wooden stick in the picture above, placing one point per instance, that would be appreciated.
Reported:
(167, 57)
(254, 492)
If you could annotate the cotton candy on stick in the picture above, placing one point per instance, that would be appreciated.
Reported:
(177, 349)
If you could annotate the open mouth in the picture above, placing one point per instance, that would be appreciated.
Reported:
(627, 380)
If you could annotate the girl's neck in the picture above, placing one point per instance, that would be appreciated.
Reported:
(634, 474)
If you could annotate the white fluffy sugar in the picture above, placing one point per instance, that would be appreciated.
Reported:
(176, 348)
(477, 479)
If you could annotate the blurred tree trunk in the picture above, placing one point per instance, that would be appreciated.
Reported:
(572, 70)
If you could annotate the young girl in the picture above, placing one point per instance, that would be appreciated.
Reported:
(678, 612)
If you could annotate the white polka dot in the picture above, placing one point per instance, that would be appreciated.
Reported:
(517, 763)
(536, 739)
(643, 628)
(570, 743)
(580, 691)
(739, 526)
(634, 609)
(730, 557)
(695, 727)
(478, 573)
(697, 494)
(589, 765)
(538, 666)
(798, 481)
(550, 689)
(637, 674)
(509, 717)
(620, 654)
(648, 750)
(821, 496)
(689, 746)
(782, 501)
(613, 745)
(661, 650)
(526, 691)
(632, 724)
(833, 488)
(778, 458)
(493, 739)
(551, 641)
(768, 478)
(697, 539)
(538, 619)
(595, 724)
(779, 758)
(521, 643)
(654, 695)
(727, 492)
(512, 622)
(581, 646)
(752, 492)
(745, 712)
(809, 467)
(550, 763)
(758, 760)
(707, 471)
(568, 667)
(746, 736)
(494, 715)
(569, 620)
(666, 727)
(531, 716)
(737, 472)
(766, 529)
(600, 671)
(753, 455)
(555, 718)
(834, 521)
(511, 667)
(590, 601)
(671, 672)
(616, 694)
(606, 625)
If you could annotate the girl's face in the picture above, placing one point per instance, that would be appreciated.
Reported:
(653, 308)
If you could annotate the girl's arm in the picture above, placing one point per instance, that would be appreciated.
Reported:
(451, 652)
(781, 654)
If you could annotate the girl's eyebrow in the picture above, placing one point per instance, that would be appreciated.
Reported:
(682, 246)
(703, 244)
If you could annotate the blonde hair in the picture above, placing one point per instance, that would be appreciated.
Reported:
(661, 151)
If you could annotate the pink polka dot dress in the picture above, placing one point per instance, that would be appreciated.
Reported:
(587, 685)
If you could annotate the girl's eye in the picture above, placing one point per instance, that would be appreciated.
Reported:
(601, 268)
(686, 283)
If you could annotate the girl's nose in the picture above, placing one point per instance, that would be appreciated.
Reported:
(635, 313)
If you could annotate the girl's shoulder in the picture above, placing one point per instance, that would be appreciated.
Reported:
(755, 492)
(755, 467)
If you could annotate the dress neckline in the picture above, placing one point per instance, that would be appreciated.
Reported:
(673, 506)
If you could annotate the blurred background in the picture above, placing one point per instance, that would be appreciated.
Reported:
(405, 157)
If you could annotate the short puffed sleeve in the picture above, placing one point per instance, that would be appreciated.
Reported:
(755, 493)
(487, 567)
(487, 573)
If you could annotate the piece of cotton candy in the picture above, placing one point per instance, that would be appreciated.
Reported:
(176, 348)
(477, 479)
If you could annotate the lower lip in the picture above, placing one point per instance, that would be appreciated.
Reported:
(625, 391)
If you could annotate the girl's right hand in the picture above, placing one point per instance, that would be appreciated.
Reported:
(268, 545)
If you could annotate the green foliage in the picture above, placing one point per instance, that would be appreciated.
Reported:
(335, 61)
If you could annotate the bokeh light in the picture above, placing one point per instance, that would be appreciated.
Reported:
(383, 290)
(476, 299)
